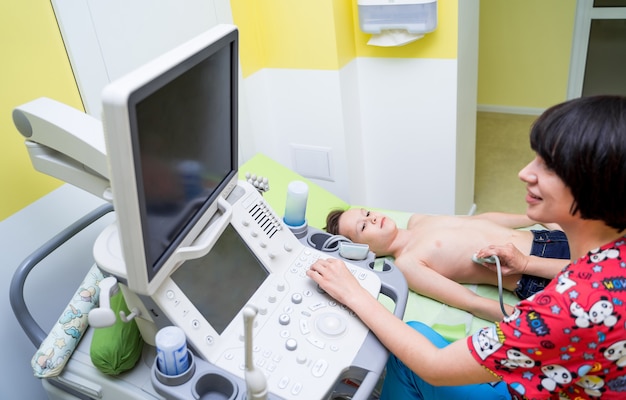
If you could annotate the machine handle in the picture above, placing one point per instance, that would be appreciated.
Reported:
(367, 386)
(394, 286)
(205, 241)
(16, 292)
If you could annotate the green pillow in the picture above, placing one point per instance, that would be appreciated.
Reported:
(117, 348)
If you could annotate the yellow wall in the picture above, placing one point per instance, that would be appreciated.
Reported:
(34, 64)
(325, 35)
(524, 46)
(524, 52)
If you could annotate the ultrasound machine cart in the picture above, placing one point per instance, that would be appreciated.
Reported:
(203, 258)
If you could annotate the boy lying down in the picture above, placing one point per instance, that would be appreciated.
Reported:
(435, 253)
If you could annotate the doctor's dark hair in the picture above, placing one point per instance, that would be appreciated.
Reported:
(584, 142)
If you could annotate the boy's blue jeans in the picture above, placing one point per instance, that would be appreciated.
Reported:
(546, 244)
(401, 383)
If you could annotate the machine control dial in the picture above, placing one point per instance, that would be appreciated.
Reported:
(331, 324)
(284, 319)
(291, 344)
(296, 298)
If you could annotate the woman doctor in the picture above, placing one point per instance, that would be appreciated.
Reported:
(568, 341)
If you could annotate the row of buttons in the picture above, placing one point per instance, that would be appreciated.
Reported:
(265, 220)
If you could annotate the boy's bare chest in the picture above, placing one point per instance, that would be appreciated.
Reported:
(443, 246)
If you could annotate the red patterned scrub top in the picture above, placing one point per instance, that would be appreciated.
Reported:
(568, 341)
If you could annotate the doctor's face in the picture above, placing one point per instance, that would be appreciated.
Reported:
(547, 196)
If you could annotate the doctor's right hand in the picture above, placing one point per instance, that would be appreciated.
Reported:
(334, 277)
(512, 261)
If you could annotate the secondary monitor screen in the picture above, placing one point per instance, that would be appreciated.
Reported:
(220, 283)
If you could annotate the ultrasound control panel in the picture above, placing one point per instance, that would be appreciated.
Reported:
(303, 338)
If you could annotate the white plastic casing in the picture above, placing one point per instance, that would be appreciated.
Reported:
(414, 16)
(353, 251)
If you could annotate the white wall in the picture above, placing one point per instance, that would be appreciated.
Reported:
(301, 107)
(467, 98)
(409, 125)
(390, 123)
(106, 39)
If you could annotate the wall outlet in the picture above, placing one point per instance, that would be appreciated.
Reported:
(312, 162)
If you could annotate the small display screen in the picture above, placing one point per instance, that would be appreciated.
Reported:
(220, 283)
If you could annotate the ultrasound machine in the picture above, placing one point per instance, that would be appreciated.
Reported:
(195, 247)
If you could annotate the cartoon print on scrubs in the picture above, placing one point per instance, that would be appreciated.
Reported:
(515, 358)
(568, 341)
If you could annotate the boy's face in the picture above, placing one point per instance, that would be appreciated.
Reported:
(368, 227)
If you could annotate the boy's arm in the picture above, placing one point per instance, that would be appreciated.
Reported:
(514, 220)
(426, 282)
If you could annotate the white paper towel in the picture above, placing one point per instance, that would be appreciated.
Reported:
(393, 37)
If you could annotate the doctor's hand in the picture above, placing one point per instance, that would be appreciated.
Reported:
(512, 260)
(335, 278)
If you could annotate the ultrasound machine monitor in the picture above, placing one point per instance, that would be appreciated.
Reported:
(171, 137)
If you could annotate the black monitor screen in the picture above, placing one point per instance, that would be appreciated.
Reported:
(220, 283)
(186, 133)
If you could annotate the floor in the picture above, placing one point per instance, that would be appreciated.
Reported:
(502, 149)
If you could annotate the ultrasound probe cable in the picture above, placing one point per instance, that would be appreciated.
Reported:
(494, 260)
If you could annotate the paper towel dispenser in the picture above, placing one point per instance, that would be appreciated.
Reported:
(414, 16)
